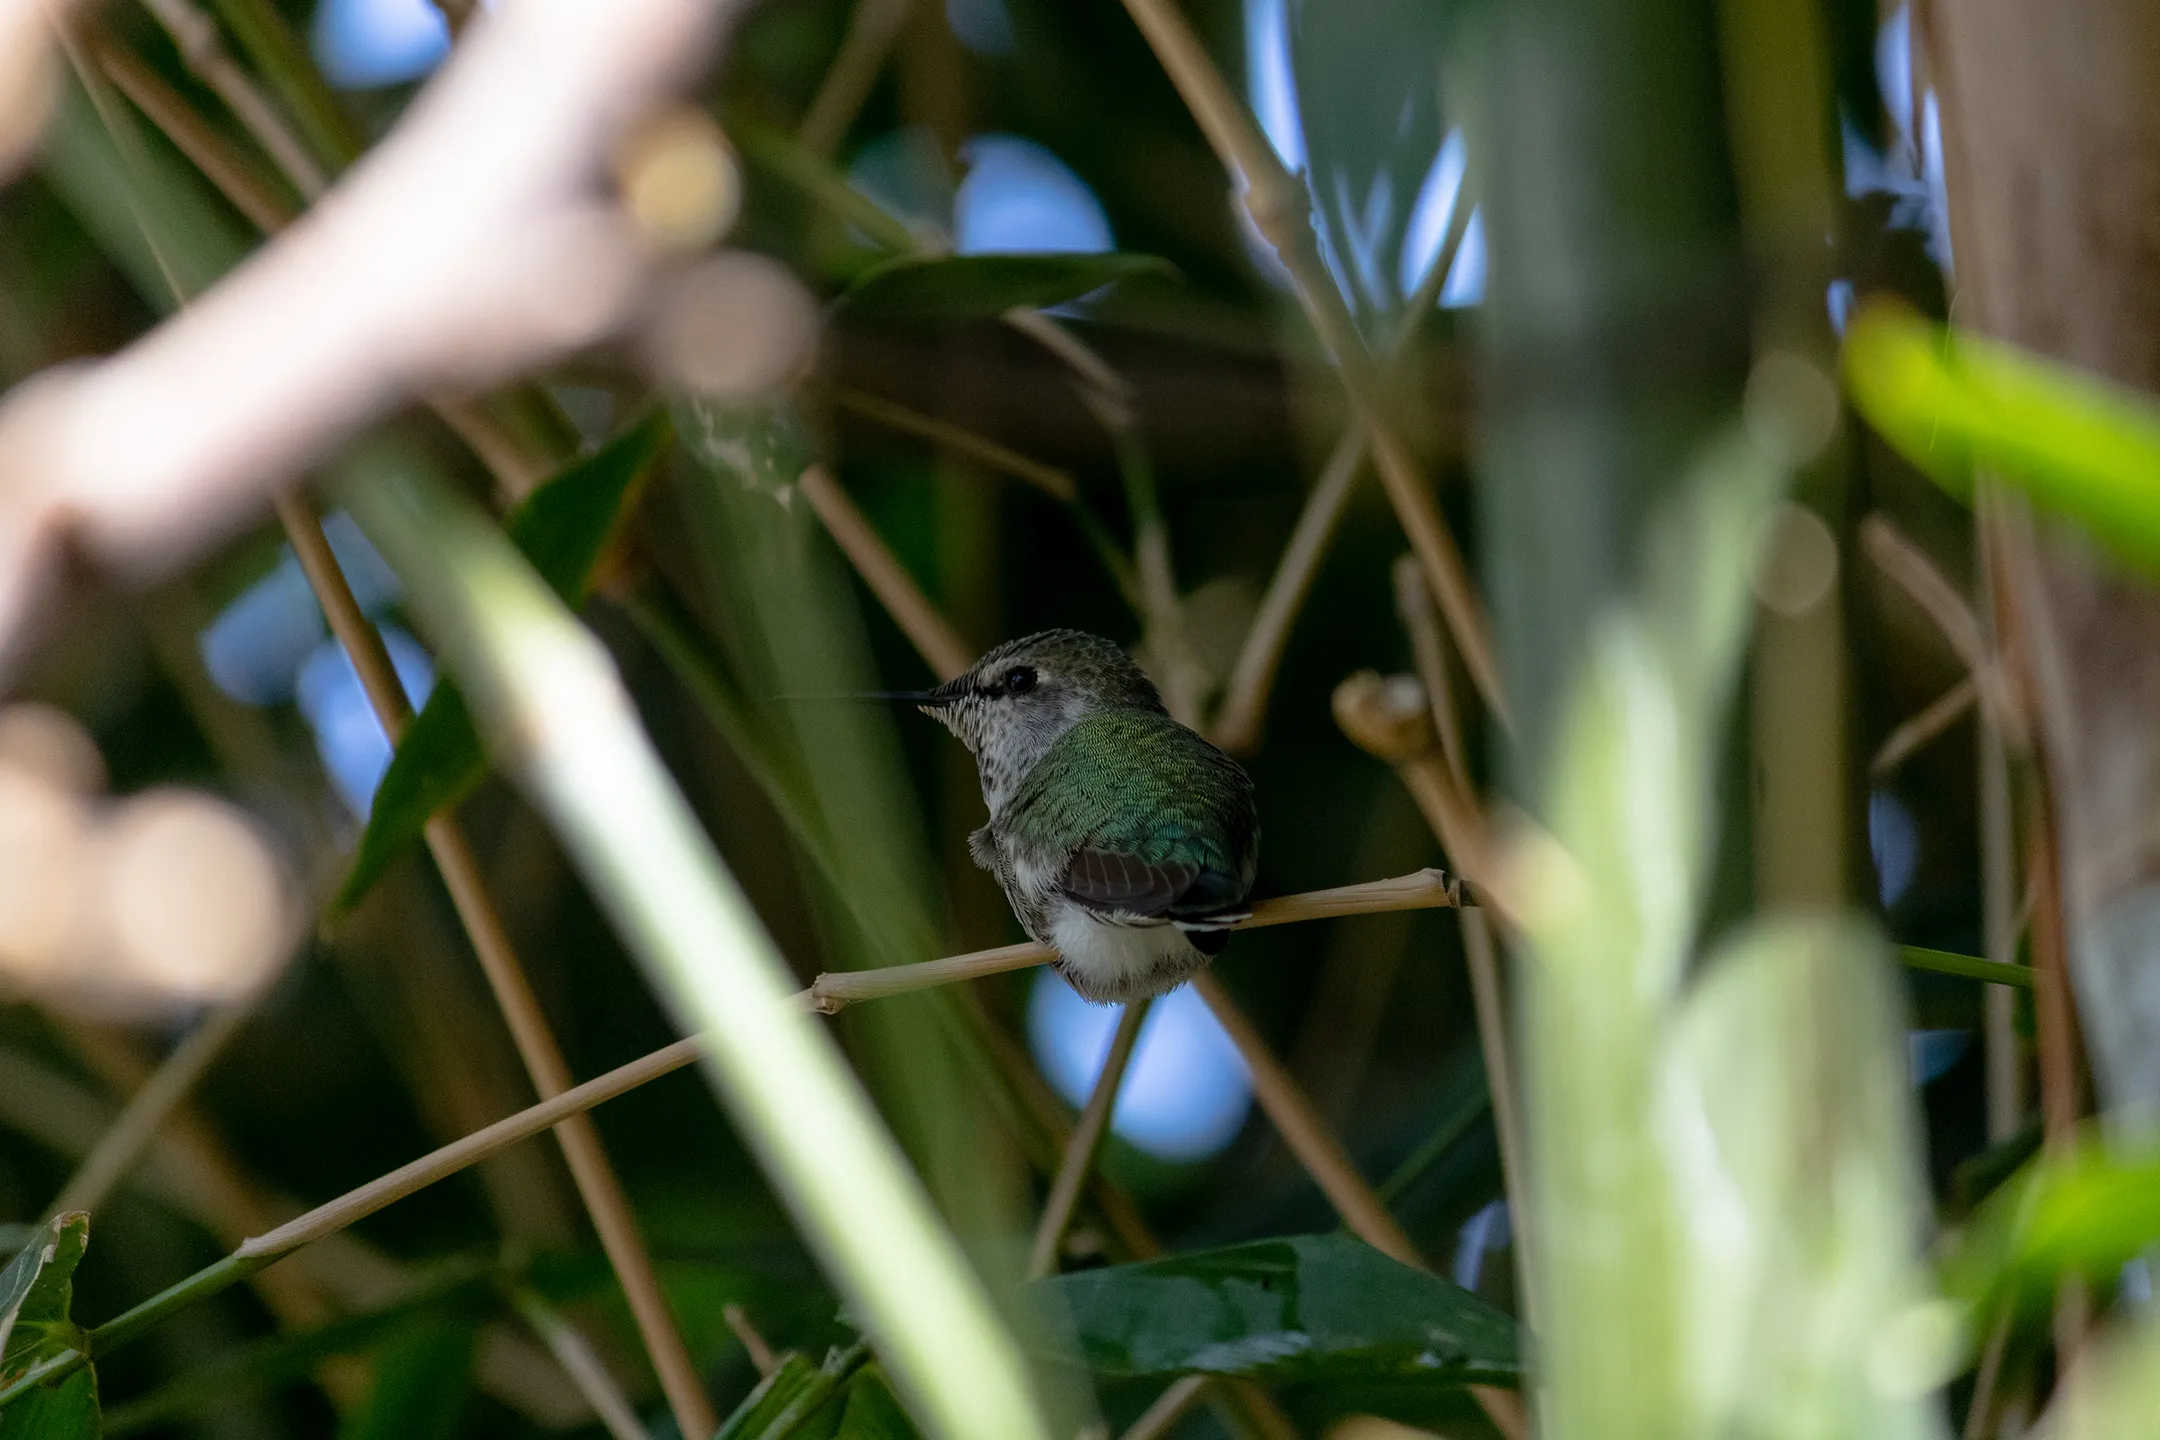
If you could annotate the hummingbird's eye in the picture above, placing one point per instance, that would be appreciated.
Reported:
(1019, 680)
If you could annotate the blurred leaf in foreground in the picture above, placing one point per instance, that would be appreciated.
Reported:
(423, 1379)
(973, 287)
(2084, 1213)
(563, 528)
(1785, 1101)
(2077, 446)
(36, 1291)
(1306, 1307)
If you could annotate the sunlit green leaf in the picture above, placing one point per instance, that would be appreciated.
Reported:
(970, 287)
(36, 1289)
(563, 528)
(1303, 1307)
(2082, 1213)
(2077, 446)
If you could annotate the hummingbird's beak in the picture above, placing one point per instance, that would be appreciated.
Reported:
(943, 695)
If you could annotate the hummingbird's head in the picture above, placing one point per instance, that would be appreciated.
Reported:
(1011, 706)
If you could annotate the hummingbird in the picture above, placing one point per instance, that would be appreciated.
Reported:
(1122, 840)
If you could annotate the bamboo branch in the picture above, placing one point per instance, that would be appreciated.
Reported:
(833, 990)
(575, 1354)
(1323, 1157)
(1173, 1405)
(221, 162)
(196, 35)
(1238, 720)
(1057, 484)
(1915, 732)
(1087, 1138)
(595, 1177)
(1279, 208)
(148, 1109)
(927, 630)
(1915, 574)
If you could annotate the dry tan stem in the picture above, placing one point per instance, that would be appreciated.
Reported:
(1173, 1405)
(854, 72)
(221, 163)
(1278, 205)
(1483, 960)
(1907, 565)
(2006, 1082)
(1939, 715)
(1087, 1138)
(196, 35)
(1240, 717)
(754, 1344)
(2055, 1031)
(927, 630)
(150, 1106)
(1056, 483)
(576, 1357)
(1428, 650)
(595, 1177)
(1323, 1158)
(1422, 890)
(356, 1205)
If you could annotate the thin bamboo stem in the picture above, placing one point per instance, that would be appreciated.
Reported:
(927, 630)
(1421, 890)
(871, 32)
(2055, 1030)
(1057, 484)
(754, 1344)
(1087, 1138)
(1915, 574)
(196, 34)
(595, 1177)
(1243, 711)
(232, 173)
(149, 1108)
(1173, 1405)
(1278, 205)
(1321, 1154)
(2007, 1091)
(575, 1354)
(1916, 732)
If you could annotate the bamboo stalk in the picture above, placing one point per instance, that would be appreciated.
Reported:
(1087, 1138)
(1278, 206)
(1323, 1158)
(575, 1354)
(595, 1178)
(853, 74)
(926, 629)
(1421, 890)
(544, 690)
(196, 35)
(150, 1106)
(1914, 734)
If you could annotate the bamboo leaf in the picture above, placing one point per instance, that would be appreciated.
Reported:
(36, 1289)
(873, 1413)
(2078, 447)
(971, 287)
(66, 1411)
(423, 1379)
(2083, 1213)
(1306, 1307)
(563, 528)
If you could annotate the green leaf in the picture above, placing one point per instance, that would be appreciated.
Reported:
(2083, 1213)
(798, 1401)
(1306, 1307)
(873, 1412)
(2078, 447)
(563, 528)
(35, 1291)
(972, 287)
(66, 1411)
(423, 1379)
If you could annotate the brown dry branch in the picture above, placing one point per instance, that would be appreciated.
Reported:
(1087, 1138)
(754, 1344)
(1915, 574)
(1170, 1407)
(597, 1183)
(1278, 205)
(1913, 734)
(233, 174)
(836, 989)
(1242, 714)
(927, 630)
(474, 243)
(575, 1354)
(195, 34)
(150, 1107)
(1321, 1154)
